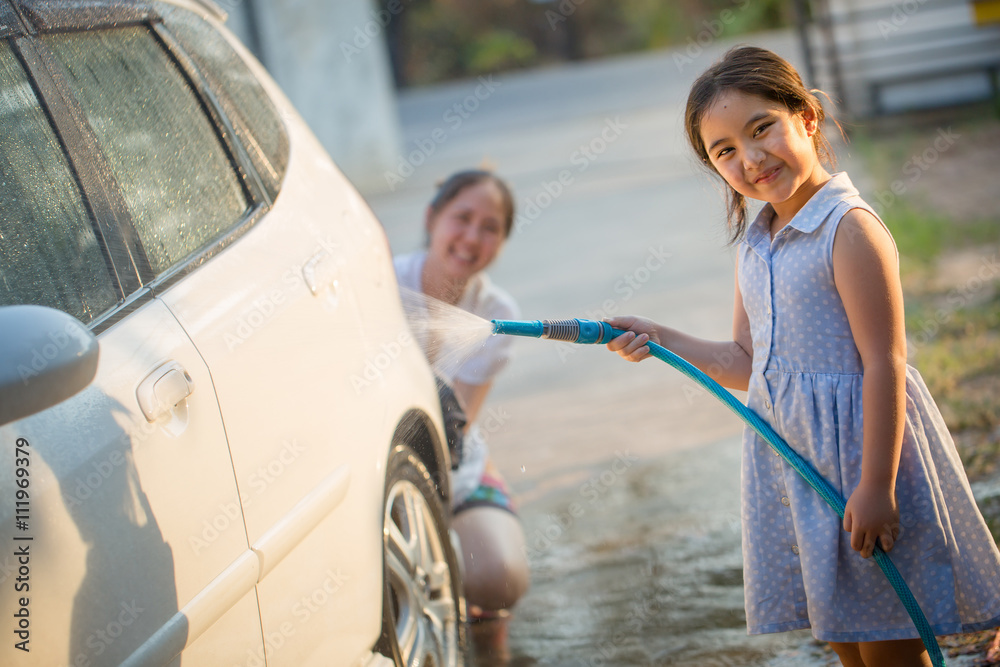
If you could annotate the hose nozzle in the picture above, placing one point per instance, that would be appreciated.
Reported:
(573, 331)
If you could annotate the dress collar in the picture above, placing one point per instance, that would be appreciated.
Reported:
(810, 216)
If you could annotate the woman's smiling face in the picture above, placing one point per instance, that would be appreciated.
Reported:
(762, 150)
(468, 232)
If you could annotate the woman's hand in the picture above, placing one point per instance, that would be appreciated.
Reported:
(871, 513)
(632, 344)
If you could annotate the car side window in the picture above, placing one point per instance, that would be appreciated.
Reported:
(49, 251)
(256, 122)
(173, 171)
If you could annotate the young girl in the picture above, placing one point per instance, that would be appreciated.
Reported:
(819, 347)
(467, 223)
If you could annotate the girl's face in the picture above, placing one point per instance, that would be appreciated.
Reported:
(763, 150)
(467, 234)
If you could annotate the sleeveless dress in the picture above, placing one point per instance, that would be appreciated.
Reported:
(799, 568)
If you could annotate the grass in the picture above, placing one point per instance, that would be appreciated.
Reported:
(952, 318)
(958, 354)
(922, 235)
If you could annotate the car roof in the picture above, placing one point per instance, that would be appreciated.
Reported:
(23, 17)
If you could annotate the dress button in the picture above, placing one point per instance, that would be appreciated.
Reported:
(767, 404)
(785, 501)
(795, 549)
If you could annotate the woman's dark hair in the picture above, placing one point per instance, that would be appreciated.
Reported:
(457, 182)
(753, 71)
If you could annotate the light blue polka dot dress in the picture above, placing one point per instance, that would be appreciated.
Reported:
(799, 568)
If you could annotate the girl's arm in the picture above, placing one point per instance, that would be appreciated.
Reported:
(866, 274)
(726, 362)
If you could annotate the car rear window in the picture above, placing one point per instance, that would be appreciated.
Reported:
(166, 156)
(256, 122)
(49, 251)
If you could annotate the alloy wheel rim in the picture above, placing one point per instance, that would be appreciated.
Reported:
(420, 582)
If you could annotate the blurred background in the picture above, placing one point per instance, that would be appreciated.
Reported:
(343, 62)
(626, 475)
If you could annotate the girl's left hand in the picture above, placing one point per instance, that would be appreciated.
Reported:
(871, 513)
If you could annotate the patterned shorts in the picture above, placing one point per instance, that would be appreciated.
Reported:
(491, 492)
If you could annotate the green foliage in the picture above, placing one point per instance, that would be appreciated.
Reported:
(445, 39)
(500, 50)
(435, 37)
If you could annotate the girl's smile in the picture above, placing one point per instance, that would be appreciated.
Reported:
(764, 151)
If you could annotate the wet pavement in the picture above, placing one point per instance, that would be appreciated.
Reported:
(640, 565)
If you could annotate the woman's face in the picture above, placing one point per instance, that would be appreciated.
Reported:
(467, 234)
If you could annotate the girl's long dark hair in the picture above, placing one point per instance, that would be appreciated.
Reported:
(753, 71)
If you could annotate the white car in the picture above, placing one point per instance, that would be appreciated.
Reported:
(218, 443)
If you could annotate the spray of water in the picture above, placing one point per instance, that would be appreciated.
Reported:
(447, 334)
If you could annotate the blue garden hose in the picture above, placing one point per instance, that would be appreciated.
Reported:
(589, 331)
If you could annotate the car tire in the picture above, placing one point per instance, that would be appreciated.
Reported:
(423, 610)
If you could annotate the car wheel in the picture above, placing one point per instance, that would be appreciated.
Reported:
(423, 615)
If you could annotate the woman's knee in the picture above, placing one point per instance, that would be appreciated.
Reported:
(496, 565)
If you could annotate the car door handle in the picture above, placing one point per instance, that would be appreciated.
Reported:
(162, 389)
(320, 272)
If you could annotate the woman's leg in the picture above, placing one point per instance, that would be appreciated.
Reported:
(496, 574)
(493, 549)
(896, 653)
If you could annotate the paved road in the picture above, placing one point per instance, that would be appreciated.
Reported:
(616, 217)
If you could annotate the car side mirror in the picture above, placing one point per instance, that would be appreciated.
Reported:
(46, 356)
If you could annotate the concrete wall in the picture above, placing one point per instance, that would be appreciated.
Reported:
(330, 58)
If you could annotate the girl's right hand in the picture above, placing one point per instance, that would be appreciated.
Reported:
(632, 344)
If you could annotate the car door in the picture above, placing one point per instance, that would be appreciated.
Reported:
(129, 544)
(278, 318)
